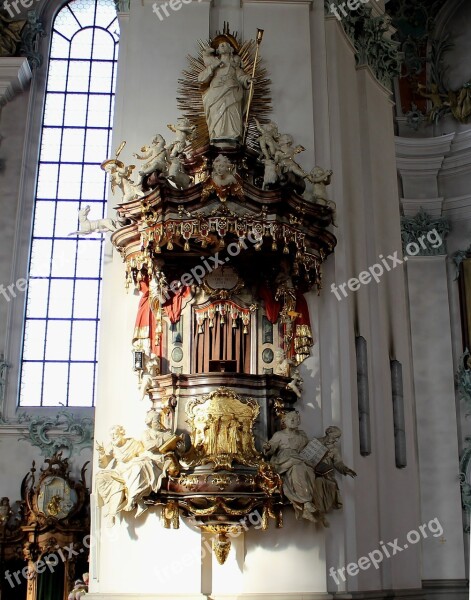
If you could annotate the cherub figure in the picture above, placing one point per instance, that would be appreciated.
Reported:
(184, 130)
(223, 171)
(434, 95)
(120, 177)
(284, 156)
(177, 174)
(152, 369)
(156, 156)
(296, 383)
(282, 365)
(320, 178)
(80, 589)
(223, 180)
(268, 140)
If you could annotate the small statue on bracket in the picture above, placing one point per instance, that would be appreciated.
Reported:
(5, 511)
(320, 178)
(151, 370)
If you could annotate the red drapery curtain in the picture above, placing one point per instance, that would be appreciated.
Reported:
(145, 327)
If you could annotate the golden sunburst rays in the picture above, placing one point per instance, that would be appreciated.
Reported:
(190, 99)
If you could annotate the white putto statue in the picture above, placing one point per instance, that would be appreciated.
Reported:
(120, 177)
(268, 140)
(224, 98)
(155, 155)
(320, 178)
(184, 131)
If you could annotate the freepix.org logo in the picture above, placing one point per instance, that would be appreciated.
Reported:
(13, 9)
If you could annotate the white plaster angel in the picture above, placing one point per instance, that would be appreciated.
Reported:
(320, 179)
(156, 156)
(284, 156)
(184, 130)
(177, 175)
(268, 140)
(223, 180)
(120, 177)
(282, 364)
(223, 171)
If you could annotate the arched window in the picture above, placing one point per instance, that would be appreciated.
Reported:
(62, 312)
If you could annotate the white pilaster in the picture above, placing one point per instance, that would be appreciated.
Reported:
(436, 416)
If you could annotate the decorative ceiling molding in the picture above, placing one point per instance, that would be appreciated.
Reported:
(421, 147)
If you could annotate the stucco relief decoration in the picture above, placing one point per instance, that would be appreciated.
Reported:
(65, 432)
(19, 37)
(371, 36)
(412, 228)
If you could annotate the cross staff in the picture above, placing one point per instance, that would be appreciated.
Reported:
(259, 41)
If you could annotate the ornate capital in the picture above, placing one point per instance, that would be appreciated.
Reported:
(123, 6)
(29, 46)
(426, 232)
(370, 36)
